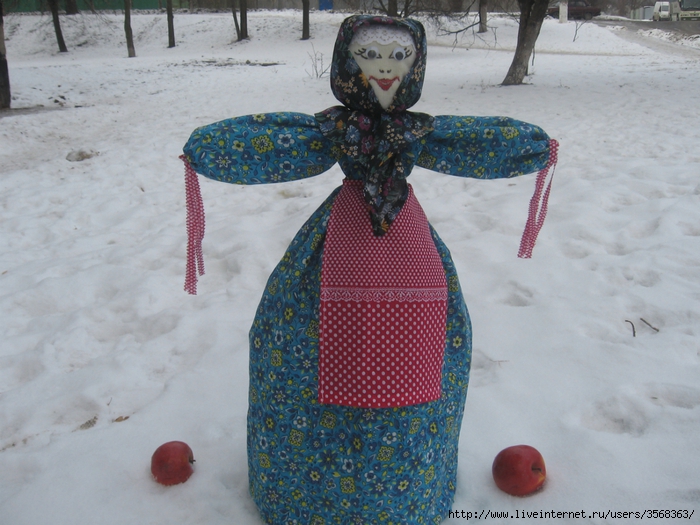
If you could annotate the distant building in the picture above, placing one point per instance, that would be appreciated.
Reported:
(642, 13)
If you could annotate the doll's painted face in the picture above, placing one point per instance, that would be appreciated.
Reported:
(385, 56)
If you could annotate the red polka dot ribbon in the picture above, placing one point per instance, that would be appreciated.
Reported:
(538, 204)
(195, 228)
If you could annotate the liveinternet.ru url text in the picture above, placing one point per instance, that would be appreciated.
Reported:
(549, 514)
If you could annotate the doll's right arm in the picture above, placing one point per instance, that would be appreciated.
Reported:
(484, 147)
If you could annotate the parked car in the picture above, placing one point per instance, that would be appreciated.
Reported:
(670, 10)
(662, 11)
(578, 9)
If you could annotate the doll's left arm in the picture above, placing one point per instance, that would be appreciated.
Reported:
(484, 147)
(260, 149)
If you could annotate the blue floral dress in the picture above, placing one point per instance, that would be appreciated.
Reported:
(321, 464)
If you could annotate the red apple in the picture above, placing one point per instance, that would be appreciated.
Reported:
(519, 470)
(172, 463)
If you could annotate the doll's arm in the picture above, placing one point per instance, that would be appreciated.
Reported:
(484, 147)
(260, 149)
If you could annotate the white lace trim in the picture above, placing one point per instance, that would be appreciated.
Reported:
(382, 35)
(383, 294)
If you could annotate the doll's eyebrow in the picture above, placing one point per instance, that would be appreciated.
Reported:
(362, 52)
(406, 50)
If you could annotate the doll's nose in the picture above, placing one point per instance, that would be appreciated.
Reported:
(387, 71)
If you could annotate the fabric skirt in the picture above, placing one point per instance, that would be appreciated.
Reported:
(321, 464)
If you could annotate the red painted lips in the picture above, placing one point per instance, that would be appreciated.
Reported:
(384, 83)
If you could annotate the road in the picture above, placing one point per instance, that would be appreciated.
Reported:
(680, 30)
(685, 28)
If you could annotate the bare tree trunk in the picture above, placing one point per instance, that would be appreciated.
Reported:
(409, 7)
(127, 29)
(532, 13)
(72, 7)
(171, 25)
(53, 5)
(244, 19)
(5, 95)
(393, 9)
(235, 20)
(456, 6)
(305, 33)
(483, 15)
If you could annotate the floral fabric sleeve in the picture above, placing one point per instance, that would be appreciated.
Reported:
(484, 147)
(260, 149)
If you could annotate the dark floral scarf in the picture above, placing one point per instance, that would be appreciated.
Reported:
(370, 135)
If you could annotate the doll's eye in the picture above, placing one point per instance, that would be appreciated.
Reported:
(400, 53)
(369, 53)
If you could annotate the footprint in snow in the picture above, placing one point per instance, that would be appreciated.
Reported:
(619, 414)
(674, 395)
(484, 369)
(518, 295)
(633, 411)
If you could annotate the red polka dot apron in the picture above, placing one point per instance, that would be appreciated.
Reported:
(383, 308)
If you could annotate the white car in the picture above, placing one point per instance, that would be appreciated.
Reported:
(662, 11)
(666, 11)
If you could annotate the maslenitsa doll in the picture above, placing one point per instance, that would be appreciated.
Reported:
(361, 346)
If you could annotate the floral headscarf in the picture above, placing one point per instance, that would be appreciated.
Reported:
(370, 135)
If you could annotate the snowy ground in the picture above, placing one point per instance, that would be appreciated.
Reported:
(95, 326)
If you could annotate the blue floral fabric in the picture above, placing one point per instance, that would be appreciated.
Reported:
(261, 149)
(484, 147)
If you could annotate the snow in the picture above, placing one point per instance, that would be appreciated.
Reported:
(693, 41)
(95, 324)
